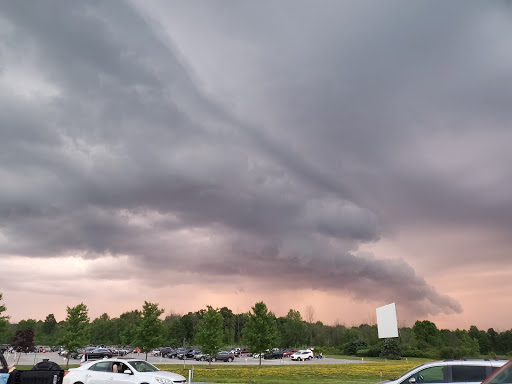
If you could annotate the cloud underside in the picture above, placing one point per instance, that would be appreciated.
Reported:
(110, 146)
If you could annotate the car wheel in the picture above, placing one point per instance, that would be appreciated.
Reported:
(230, 359)
(202, 359)
(214, 359)
(310, 358)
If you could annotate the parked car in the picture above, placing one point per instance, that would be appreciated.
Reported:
(121, 371)
(288, 352)
(468, 371)
(118, 351)
(501, 376)
(202, 356)
(303, 354)
(274, 354)
(174, 353)
(99, 353)
(165, 351)
(192, 353)
(224, 356)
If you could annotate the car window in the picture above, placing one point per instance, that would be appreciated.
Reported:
(429, 375)
(503, 376)
(143, 366)
(102, 366)
(464, 373)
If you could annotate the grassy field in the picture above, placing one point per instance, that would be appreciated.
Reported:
(358, 373)
(367, 373)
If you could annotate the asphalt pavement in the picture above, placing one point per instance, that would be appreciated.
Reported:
(34, 358)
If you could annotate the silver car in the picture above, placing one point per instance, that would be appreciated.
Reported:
(466, 371)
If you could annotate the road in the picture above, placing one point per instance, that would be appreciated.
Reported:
(33, 358)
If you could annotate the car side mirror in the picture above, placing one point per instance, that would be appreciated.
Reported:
(412, 380)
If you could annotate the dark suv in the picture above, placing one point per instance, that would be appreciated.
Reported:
(224, 356)
(164, 352)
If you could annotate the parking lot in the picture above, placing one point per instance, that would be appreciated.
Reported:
(33, 358)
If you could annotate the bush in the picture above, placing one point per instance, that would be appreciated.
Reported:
(447, 353)
(414, 352)
(331, 351)
(391, 349)
(352, 347)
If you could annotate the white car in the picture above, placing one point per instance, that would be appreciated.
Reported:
(303, 354)
(120, 371)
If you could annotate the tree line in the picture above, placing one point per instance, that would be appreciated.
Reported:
(216, 328)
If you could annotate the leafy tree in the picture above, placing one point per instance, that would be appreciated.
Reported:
(23, 341)
(127, 327)
(102, 330)
(210, 332)
(48, 330)
(150, 328)
(482, 337)
(468, 347)
(229, 329)
(426, 334)
(4, 322)
(260, 331)
(176, 332)
(76, 328)
(294, 331)
(189, 323)
(391, 349)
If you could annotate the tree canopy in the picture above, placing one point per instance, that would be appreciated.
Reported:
(260, 331)
(150, 328)
(210, 332)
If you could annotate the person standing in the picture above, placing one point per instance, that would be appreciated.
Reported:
(84, 357)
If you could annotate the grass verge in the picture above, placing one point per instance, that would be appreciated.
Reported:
(360, 373)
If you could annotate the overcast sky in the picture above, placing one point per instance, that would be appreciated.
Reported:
(341, 155)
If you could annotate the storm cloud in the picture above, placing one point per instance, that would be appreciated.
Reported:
(268, 141)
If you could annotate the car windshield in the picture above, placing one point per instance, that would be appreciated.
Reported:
(501, 376)
(143, 366)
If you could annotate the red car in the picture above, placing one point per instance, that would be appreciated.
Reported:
(288, 352)
(500, 376)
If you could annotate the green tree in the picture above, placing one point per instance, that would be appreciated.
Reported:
(294, 331)
(229, 329)
(210, 332)
(175, 330)
(76, 328)
(150, 328)
(102, 330)
(4, 322)
(260, 331)
(127, 327)
(426, 334)
(48, 330)
(391, 349)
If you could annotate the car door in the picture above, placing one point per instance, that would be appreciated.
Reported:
(99, 373)
(121, 377)
(470, 374)
(431, 375)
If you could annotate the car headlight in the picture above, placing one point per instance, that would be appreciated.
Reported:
(163, 381)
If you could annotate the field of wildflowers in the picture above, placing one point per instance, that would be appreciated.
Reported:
(361, 373)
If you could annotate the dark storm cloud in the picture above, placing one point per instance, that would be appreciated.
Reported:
(117, 150)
